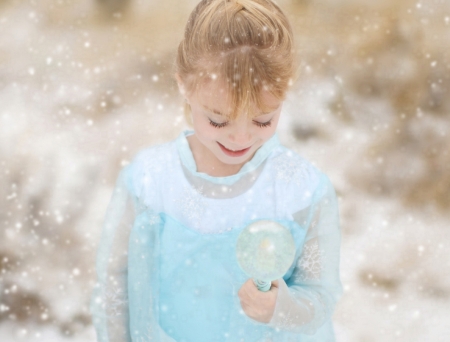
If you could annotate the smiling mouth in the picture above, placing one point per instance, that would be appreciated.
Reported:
(232, 153)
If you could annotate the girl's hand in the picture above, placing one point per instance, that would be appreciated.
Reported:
(258, 305)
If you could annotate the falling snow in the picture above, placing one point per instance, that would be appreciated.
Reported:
(82, 89)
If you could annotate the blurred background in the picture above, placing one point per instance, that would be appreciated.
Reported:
(85, 84)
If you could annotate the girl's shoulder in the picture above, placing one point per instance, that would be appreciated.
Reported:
(156, 160)
(299, 181)
(148, 165)
(291, 168)
(154, 157)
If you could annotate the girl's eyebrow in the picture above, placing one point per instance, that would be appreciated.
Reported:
(215, 111)
(270, 112)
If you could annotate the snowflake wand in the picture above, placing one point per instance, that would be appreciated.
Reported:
(265, 250)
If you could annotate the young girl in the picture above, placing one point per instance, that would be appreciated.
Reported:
(167, 268)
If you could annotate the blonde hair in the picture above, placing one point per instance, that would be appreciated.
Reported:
(246, 43)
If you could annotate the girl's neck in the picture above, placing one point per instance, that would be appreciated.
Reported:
(207, 162)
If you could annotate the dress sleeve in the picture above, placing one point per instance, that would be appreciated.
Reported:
(306, 300)
(109, 302)
(124, 301)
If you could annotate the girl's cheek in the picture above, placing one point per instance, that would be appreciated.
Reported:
(207, 130)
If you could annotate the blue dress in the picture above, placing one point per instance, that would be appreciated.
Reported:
(166, 264)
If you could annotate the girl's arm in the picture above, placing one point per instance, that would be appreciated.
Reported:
(109, 302)
(307, 299)
(123, 300)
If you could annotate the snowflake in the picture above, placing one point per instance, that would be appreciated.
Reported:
(192, 205)
(322, 310)
(115, 301)
(289, 168)
(287, 319)
(267, 337)
(154, 219)
(156, 160)
(311, 262)
(147, 336)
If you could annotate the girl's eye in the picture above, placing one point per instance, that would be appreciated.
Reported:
(217, 125)
(263, 124)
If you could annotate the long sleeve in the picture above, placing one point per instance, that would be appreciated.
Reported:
(124, 301)
(306, 300)
(109, 303)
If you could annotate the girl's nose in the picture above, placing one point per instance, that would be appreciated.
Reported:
(241, 137)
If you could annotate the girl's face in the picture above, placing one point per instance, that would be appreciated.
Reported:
(231, 141)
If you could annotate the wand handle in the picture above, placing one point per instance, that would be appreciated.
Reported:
(262, 285)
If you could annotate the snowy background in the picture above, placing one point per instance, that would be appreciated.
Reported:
(85, 84)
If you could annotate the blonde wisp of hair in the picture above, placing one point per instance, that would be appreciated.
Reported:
(246, 44)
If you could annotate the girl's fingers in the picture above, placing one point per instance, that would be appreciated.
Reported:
(250, 294)
(249, 288)
(244, 291)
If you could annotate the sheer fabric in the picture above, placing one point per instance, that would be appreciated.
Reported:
(166, 264)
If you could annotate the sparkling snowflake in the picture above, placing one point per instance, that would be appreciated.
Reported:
(115, 301)
(289, 168)
(288, 319)
(148, 335)
(323, 307)
(311, 262)
(155, 160)
(192, 205)
(267, 337)
(154, 219)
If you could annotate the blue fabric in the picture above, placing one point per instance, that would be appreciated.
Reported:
(199, 280)
(167, 268)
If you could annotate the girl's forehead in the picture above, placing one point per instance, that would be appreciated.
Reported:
(218, 91)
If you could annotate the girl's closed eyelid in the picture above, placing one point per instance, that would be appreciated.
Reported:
(223, 124)
(263, 124)
(217, 124)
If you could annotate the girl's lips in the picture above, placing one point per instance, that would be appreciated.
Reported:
(231, 153)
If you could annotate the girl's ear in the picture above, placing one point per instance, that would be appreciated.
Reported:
(181, 86)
